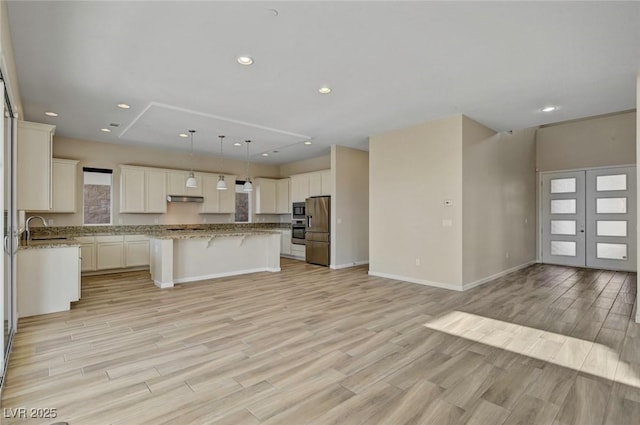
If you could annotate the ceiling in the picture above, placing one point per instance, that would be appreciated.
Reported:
(389, 65)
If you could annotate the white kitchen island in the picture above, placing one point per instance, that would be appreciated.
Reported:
(179, 257)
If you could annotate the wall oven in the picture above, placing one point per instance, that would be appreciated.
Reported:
(298, 232)
(298, 211)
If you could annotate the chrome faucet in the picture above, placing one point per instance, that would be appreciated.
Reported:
(26, 226)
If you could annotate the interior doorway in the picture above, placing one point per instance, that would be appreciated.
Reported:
(588, 218)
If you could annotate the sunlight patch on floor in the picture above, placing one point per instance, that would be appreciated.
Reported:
(584, 356)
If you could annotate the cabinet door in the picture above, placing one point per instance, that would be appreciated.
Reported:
(315, 184)
(265, 196)
(283, 204)
(136, 253)
(132, 193)
(64, 185)
(109, 255)
(34, 166)
(227, 198)
(210, 193)
(177, 184)
(87, 257)
(156, 191)
(327, 182)
(299, 187)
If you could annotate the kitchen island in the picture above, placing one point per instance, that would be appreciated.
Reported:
(187, 256)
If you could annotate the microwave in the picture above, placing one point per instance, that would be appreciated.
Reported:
(298, 211)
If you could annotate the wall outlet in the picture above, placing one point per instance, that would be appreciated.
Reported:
(155, 221)
(447, 222)
(50, 222)
(526, 221)
(417, 261)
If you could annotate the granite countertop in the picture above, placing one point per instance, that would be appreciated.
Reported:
(204, 234)
(48, 243)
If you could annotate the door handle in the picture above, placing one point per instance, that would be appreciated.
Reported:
(6, 247)
(581, 230)
(309, 221)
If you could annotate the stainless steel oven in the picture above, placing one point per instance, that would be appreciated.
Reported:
(298, 211)
(298, 232)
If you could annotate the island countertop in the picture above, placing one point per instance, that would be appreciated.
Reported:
(208, 234)
(48, 243)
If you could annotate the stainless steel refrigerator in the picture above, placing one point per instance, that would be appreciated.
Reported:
(317, 230)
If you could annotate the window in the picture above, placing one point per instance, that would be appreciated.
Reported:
(96, 190)
(243, 204)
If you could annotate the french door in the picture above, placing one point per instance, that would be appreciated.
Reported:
(589, 218)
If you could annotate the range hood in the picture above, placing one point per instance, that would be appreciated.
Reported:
(183, 198)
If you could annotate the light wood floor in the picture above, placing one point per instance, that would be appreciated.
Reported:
(314, 346)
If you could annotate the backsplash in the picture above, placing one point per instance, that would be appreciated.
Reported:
(143, 229)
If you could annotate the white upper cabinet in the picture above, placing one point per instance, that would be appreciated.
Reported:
(34, 171)
(142, 190)
(283, 201)
(218, 201)
(317, 183)
(299, 187)
(177, 184)
(266, 194)
(65, 173)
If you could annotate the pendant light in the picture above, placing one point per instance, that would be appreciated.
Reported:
(248, 187)
(191, 181)
(221, 183)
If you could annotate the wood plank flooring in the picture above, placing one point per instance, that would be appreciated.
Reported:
(547, 345)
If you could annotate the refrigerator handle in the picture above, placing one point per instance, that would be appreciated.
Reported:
(309, 221)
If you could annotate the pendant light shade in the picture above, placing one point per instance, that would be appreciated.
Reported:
(191, 181)
(248, 186)
(221, 183)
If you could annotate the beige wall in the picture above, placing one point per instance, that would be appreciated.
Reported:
(306, 166)
(499, 201)
(7, 59)
(595, 142)
(349, 207)
(411, 173)
(108, 155)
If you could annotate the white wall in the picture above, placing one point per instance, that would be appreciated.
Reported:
(7, 59)
(638, 186)
(349, 207)
(591, 142)
(411, 173)
(306, 166)
(499, 201)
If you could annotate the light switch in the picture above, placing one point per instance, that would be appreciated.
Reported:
(447, 222)
(448, 202)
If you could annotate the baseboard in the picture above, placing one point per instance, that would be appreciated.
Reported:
(425, 282)
(467, 286)
(163, 285)
(113, 271)
(225, 274)
(347, 265)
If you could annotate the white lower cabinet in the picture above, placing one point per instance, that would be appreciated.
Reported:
(298, 250)
(136, 250)
(48, 280)
(113, 252)
(109, 252)
(285, 242)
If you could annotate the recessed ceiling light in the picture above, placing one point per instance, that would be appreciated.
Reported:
(308, 142)
(183, 135)
(123, 106)
(549, 108)
(237, 144)
(245, 60)
(51, 114)
(265, 154)
(106, 130)
(324, 90)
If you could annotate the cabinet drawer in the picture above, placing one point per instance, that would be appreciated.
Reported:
(135, 238)
(103, 239)
(86, 239)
